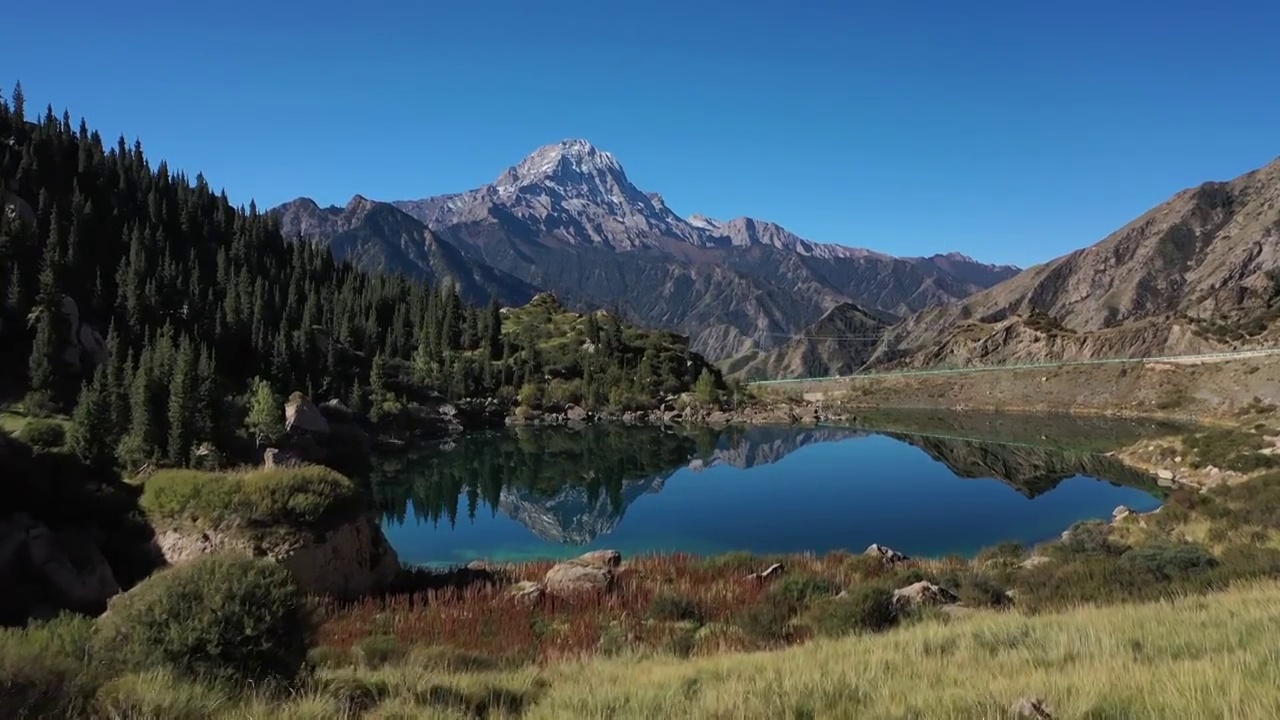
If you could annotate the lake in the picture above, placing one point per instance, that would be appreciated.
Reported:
(528, 493)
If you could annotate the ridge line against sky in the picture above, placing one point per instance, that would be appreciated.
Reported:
(1010, 132)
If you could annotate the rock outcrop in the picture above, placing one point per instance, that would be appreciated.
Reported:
(922, 593)
(43, 570)
(348, 561)
(886, 554)
(301, 415)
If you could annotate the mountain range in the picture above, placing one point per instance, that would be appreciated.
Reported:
(568, 220)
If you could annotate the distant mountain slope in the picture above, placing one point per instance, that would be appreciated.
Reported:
(838, 344)
(567, 219)
(378, 236)
(1198, 272)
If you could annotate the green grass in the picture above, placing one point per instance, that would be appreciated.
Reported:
(308, 497)
(1229, 449)
(1195, 657)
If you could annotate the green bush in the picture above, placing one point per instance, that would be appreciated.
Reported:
(43, 434)
(1171, 560)
(768, 622)
(800, 590)
(221, 616)
(45, 669)
(675, 608)
(310, 496)
(378, 650)
(867, 608)
(1090, 538)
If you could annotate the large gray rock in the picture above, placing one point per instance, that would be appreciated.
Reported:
(922, 593)
(300, 414)
(84, 349)
(887, 554)
(593, 572)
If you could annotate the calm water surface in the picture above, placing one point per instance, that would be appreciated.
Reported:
(546, 493)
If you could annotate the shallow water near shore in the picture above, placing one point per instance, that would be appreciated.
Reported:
(550, 493)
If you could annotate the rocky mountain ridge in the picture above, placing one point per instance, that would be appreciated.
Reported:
(1199, 272)
(569, 220)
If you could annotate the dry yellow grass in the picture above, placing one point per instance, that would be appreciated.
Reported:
(1205, 657)
(1211, 656)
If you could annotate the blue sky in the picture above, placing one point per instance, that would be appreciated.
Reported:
(1011, 131)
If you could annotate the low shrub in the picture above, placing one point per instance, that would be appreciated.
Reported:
(1171, 560)
(867, 608)
(676, 608)
(801, 590)
(1090, 538)
(378, 650)
(45, 669)
(221, 616)
(43, 434)
(309, 496)
(768, 622)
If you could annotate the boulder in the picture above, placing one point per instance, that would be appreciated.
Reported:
(602, 558)
(887, 554)
(84, 345)
(1163, 474)
(276, 457)
(348, 561)
(301, 415)
(576, 414)
(922, 593)
(593, 572)
(1120, 513)
(63, 568)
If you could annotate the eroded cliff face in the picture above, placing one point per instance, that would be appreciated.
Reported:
(348, 561)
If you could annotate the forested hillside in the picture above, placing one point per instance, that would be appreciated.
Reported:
(196, 298)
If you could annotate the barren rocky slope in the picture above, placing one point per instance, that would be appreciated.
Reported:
(1198, 272)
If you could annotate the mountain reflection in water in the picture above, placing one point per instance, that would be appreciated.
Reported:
(568, 488)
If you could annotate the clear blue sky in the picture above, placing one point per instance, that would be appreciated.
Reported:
(1012, 131)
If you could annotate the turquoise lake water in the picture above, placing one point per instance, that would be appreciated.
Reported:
(531, 494)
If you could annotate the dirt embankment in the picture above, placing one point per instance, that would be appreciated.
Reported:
(1219, 391)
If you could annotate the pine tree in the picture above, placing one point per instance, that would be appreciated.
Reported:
(138, 446)
(40, 368)
(182, 404)
(266, 419)
(377, 388)
(593, 328)
(494, 328)
(91, 424)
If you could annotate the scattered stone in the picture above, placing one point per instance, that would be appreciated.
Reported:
(1178, 459)
(528, 591)
(769, 572)
(1164, 474)
(922, 593)
(1213, 471)
(887, 554)
(1031, 709)
(1034, 561)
